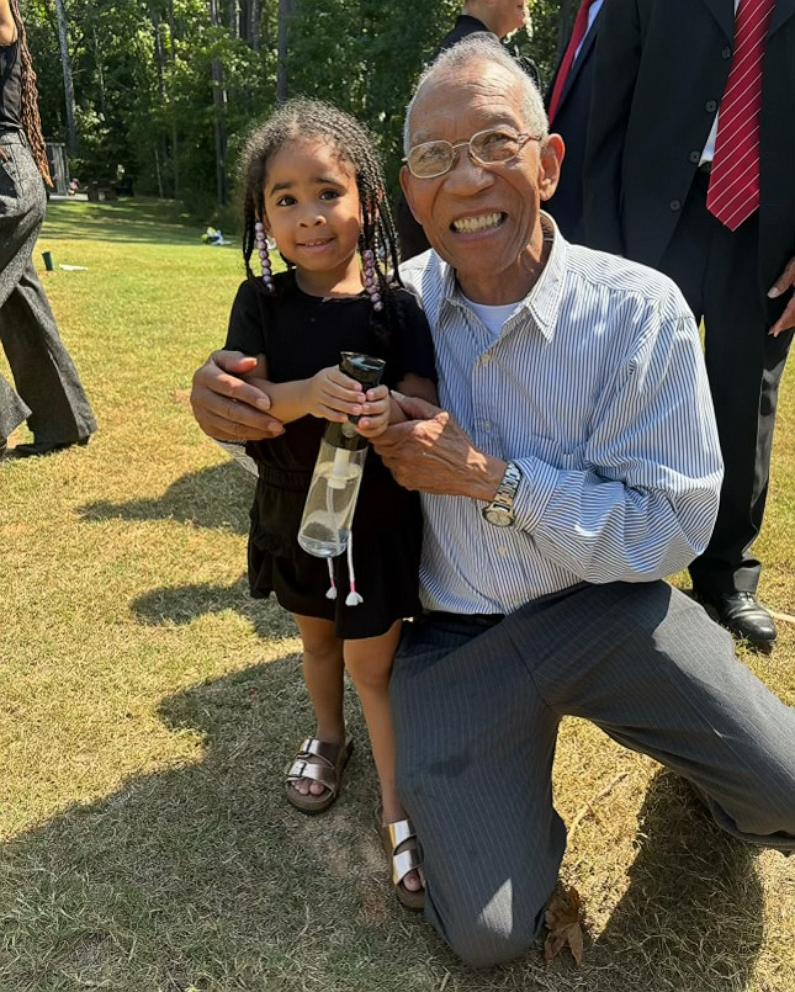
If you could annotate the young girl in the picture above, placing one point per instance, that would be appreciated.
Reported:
(314, 186)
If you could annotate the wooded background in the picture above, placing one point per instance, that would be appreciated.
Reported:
(169, 88)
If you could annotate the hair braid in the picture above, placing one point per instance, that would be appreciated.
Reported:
(303, 119)
(31, 120)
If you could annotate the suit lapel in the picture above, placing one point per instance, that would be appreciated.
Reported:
(723, 12)
(587, 44)
(784, 10)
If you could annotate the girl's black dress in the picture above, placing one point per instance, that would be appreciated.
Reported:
(299, 335)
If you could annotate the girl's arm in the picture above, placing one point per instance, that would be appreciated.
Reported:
(329, 394)
(417, 385)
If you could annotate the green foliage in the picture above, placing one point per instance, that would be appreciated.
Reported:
(143, 77)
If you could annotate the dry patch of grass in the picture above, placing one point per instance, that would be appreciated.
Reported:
(147, 708)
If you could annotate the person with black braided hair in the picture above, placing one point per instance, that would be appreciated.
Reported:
(314, 185)
(50, 392)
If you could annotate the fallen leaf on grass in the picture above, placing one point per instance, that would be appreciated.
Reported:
(565, 928)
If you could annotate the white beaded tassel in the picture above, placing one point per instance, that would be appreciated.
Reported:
(331, 592)
(353, 598)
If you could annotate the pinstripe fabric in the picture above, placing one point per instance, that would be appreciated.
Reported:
(476, 714)
(597, 389)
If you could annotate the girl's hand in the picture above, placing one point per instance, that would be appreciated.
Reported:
(334, 396)
(378, 412)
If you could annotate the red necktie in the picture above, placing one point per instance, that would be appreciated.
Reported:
(733, 194)
(578, 32)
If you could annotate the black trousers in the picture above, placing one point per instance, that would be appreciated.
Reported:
(48, 388)
(717, 271)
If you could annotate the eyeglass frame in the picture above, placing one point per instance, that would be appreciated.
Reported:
(522, 136)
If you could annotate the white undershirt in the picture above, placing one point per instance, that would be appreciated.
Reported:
(709, 149)
(493, 318)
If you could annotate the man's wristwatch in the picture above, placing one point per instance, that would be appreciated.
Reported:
(499, 511)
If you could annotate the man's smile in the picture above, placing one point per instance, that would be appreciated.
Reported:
(477, 223)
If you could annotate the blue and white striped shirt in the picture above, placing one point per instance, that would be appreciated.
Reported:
(597, 389)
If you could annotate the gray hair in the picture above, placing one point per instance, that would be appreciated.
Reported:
(481, 47)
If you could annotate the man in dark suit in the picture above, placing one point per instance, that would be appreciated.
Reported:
(499, 17)
(568, 101)
(689, 169)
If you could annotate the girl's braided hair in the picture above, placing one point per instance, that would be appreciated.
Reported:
(31, 121)
(304, 119)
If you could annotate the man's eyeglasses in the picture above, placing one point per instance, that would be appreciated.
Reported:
(432, 159)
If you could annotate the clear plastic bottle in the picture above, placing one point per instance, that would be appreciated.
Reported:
(331, 500)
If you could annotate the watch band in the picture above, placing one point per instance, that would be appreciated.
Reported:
(500, 510)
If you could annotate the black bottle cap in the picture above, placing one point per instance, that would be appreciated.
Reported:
(363, 368)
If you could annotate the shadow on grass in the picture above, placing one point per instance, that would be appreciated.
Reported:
(217, 498)
(184, 604)
(136, 220)
(692, 917)
(203, 878)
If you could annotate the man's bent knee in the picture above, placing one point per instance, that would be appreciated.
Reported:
(504, 928)
(484, 944)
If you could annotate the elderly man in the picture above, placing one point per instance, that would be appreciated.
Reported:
(574, 464)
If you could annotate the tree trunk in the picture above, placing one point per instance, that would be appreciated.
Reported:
(219, 123)
(234, 18)
(68, 82)
(255, 24)
(174, 132)
(286, 13)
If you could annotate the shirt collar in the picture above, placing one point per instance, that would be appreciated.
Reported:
(542, 303)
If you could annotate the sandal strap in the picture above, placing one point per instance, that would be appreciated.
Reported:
(399, 832)
(328, 776)
(324, 750)
(403, 863)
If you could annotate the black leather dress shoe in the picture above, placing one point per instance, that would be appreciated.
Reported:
(37, 449)
(743, 615)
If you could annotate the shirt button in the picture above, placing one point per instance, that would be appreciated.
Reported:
(695, 157)
(727, 52)
(675, 205)
(503, 552)
(710, 106)
(486, 425)
(485, 360)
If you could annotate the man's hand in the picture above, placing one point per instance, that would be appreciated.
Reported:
(784, 282)
(228, 408)
(431, 453)
(333, 395)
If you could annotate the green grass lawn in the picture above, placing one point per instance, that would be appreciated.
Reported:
(148, 707)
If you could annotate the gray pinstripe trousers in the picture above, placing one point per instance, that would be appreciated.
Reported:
(44, 374)
(477, 708)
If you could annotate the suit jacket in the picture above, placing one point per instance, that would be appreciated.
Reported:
(571, 122)
(661, 69)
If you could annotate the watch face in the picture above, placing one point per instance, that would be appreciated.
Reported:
(498, 516)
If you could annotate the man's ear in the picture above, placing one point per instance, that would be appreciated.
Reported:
(406, 183)
(553, 151)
